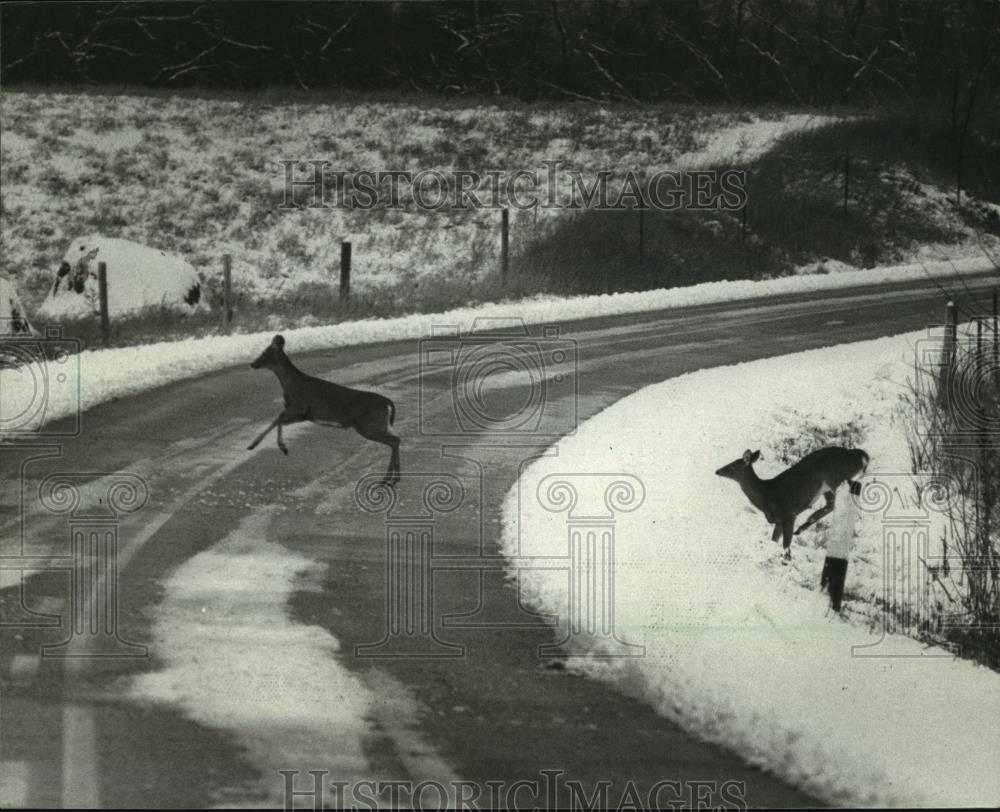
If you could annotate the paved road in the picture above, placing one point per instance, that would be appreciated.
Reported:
(493, 711)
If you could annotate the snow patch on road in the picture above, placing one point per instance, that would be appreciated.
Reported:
(234, 660)
(738, 648)
(35, 394)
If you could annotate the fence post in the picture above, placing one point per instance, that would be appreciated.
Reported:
(345, 271)
(847, 180)
(504, 243)
(227, 290)
(985, 493)
(102, 292)
(642, 235)
(948, 361)
(951, 332)
(996, 344)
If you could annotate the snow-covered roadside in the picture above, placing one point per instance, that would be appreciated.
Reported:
(231, 658)
(738, 648)
(31, 396)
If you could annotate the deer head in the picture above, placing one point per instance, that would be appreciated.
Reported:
(739, 467)
(270, 358)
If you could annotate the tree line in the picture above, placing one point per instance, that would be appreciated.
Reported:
(750, 51)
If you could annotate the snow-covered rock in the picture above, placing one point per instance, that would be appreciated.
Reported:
(138, 276)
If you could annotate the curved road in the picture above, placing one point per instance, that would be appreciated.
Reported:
(495, 710)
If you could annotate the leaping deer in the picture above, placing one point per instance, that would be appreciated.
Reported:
(789, 493)
(328, 404)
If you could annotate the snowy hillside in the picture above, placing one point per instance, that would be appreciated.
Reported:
(204, 177)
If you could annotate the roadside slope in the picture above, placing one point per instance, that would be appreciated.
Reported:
(739, 649)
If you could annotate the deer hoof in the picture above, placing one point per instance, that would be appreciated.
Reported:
(284, 450)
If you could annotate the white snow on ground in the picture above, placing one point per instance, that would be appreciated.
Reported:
(747, 141)
(738, 648)
(13, 316)
(94, 377)
(231, 658)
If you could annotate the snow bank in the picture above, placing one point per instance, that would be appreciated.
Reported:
(738, 648)
(232, 659)
(106, 374)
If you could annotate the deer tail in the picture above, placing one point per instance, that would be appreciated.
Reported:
(392, 412)
(865, 459)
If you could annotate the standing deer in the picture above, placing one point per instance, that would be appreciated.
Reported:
(783, 498)
(328, 404)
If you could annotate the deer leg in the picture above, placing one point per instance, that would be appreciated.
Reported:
(282, 419)
(777, 531)
(263, 434)
(831, 501)
(392, 475)
(385, 437)
(787, 524)
(281, 443)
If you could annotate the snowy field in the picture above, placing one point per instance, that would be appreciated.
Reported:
(740, 649)
(36, 393)
(217, 170)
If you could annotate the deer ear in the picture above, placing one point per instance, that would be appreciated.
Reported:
(755, 456)
(747, 457)
(278, 341)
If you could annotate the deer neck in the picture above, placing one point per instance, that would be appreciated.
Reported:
(754, 488)
(285, 370)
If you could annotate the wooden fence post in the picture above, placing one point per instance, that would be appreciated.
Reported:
(504, 243)
(642, 238)
(102, 293)
(996, 344)
(847, 180)
(345, 271)
(951, 332)
(227, 290)
(985, 492)
(948, 355)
